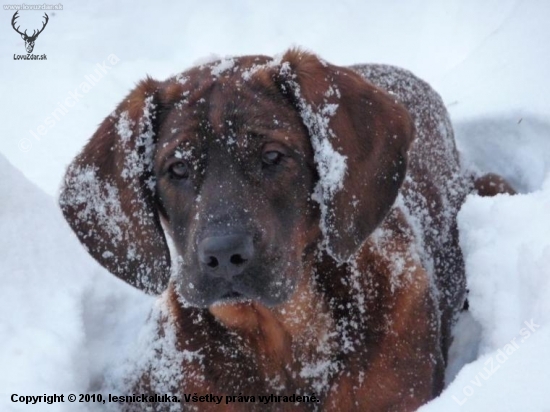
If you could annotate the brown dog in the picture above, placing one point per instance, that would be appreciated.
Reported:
(309, 259)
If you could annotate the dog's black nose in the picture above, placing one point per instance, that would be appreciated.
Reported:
(225, 256)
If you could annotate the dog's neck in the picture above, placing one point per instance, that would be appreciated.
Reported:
(282, 342)
(304, 319)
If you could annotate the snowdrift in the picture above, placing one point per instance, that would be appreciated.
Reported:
(65, 323)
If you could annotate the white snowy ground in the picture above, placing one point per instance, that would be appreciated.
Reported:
(64, 319)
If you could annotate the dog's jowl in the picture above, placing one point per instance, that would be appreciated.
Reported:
(312, 212)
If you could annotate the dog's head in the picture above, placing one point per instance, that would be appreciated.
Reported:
(250, 165)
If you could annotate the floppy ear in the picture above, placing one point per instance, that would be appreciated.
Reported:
(360, 136)
(109, 189)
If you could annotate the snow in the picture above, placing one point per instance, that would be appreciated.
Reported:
(507, 250)
(65, 322)
(120, 377)
(330, 164)
(138, 157)
(224, 64)
(52, 317)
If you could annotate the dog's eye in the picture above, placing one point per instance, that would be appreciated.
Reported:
(179, 170)
(272, 157)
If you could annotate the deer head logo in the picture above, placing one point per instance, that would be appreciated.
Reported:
(29, 40)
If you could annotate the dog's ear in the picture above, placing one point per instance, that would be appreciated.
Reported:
(360, 136)
(108, 196)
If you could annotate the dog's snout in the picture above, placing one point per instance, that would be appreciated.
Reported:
(225, 256)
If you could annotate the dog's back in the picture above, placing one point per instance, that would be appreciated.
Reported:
(435, 185)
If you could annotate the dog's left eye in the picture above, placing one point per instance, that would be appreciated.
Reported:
(272, 157)
(179, 170)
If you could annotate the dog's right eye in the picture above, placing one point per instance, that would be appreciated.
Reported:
(272, 157)
(179, 170)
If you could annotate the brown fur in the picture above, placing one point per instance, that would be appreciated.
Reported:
(492, 184)
(371, 297)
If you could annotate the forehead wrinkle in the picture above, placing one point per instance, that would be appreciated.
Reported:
(165, 150)
(228, 110)
(256, 111)
(215, 110)
(168, 146)
(276, 118)
(233, 107)
(188, 130)
(231, 92)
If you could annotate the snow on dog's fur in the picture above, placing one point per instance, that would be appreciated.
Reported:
(312, 211)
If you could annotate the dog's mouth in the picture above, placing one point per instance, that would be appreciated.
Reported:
(261, 285)
(237, 294)
(232, 296)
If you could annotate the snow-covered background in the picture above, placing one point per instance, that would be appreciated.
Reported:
(63, 318)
